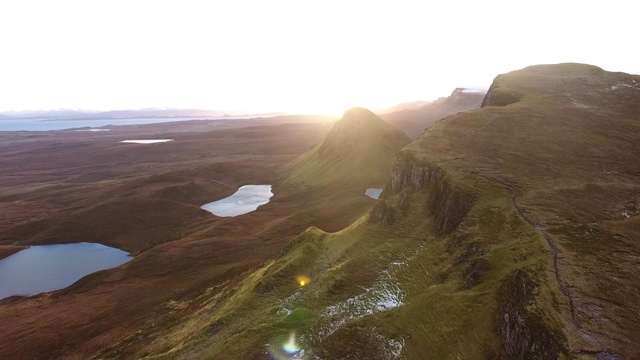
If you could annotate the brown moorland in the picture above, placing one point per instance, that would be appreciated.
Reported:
(69, 186)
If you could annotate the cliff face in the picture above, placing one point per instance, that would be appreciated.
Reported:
(522, 333)
(561, 141)
(500, 97)
(558, 139)
(446, 205)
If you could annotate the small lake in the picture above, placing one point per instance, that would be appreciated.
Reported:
(245, 200)
(373, 193)
(44, 268)
(146, 141)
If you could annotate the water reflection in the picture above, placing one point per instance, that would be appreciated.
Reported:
(373, 193)
(245, 200)
(45, 268)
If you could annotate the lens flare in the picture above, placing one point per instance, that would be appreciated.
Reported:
(303, 280)
(291, 347)
(288, 351)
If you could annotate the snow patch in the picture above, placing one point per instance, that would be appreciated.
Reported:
(622, 85)
(396, 347)
(580, 105)
(288, 303)
(384, 295)
(393, 347)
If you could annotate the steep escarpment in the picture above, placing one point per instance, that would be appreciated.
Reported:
(560, 140)
(446, 205)
(460, 215)
(524, 335)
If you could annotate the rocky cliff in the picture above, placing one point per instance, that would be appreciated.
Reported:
(447, 205)
(560, 141)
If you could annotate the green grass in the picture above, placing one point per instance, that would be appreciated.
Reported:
(438, 318)
(359, 148)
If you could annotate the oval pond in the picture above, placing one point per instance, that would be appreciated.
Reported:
(43, 268)
(373, 193)
(245, 200)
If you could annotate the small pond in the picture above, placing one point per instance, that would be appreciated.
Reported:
(373, 193)
(43, 268)
(147, 141)
(245, 200)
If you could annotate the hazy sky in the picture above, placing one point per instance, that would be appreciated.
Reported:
(303, 56)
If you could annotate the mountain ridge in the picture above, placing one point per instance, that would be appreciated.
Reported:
(414, 121)
(493, 239)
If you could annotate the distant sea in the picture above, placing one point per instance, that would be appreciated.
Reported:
(63, 124)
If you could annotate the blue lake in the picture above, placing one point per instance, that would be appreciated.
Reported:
(373, 193)
(44, 268)
(245, 200)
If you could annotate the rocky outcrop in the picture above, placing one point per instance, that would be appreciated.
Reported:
(382, 213)
(500, 97)
(311, 234)
(447, 205)
(472, 274)
(523, 335)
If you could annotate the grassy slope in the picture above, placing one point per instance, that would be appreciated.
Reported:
(357, 150)
(439, 319)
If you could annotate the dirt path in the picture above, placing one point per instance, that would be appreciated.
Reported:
(555, 250)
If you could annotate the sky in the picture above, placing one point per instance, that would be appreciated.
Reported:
(296, 56)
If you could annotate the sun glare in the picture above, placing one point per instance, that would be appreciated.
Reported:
(291, 347)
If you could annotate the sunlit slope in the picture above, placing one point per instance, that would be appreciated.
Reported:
(358, 149)
(510, 232)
